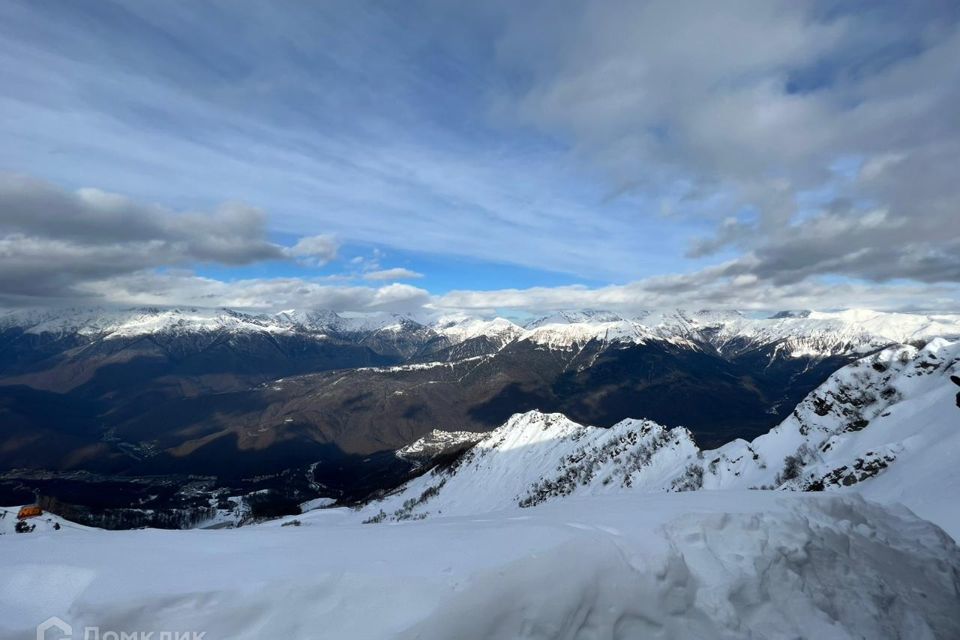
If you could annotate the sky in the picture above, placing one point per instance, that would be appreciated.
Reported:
(500, 158)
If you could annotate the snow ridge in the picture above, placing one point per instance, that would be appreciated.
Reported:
(885, 426)
(437, 443)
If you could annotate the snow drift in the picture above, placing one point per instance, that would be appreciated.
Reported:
(697, 565)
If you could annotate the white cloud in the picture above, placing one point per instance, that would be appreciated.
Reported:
(397, 273)
(731, 120)
(315, 250)
(710, 288)
(399, 297)
(186, 288)
(54, 242)
(750, 106)
(706, 290)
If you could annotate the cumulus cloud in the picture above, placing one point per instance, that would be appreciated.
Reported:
(705, 290)
(53, 242)
(316, 250)
(177, 287)
(833, 125)
(708, 289)
(231, 234)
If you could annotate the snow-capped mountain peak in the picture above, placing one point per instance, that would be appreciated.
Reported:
(462, 328)
(885, 425)
(575, 317)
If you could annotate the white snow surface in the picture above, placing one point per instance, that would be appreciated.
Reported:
(698, 565)
(886, 426)
(437, 442)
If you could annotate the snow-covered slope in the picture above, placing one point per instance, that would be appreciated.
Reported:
(535, 456)
(438, 443)
(737, 565)
(37, 525)
(886, 426)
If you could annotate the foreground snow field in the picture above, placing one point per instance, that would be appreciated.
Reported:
(551, 529)
(696, 565)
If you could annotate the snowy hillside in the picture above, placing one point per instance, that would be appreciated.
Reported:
(437, 443)
(671, 566)
(886, 426)
(44, 523)
(514, 464)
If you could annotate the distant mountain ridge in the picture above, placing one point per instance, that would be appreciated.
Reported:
(187, 390)
(809, 332)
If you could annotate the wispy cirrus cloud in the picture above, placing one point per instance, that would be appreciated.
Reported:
(724, 155)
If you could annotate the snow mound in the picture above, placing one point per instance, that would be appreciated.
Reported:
(819, 570)
(695, 565)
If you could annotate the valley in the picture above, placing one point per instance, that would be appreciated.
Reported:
(162, 399)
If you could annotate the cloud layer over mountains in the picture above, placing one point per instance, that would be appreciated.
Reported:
(755, 155)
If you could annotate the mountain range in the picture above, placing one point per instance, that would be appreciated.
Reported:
(885, 426)
(837, 523)
(328, 399)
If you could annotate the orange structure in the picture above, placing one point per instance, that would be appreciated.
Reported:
(29, 512)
